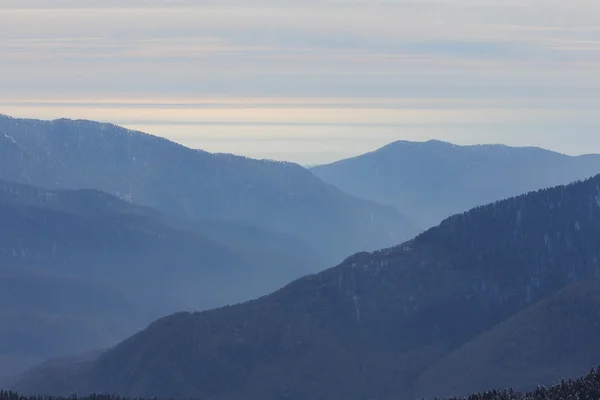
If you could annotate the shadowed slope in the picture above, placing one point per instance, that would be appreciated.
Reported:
(371, 326)
(554, 339)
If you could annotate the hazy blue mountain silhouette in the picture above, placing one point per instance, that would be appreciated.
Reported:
(376, 325)
(151, 171)
(83, 269)
(97, 236)
(429, 181)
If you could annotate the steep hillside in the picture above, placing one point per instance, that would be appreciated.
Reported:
(551, 340)
(152, 171)
(432, 180)
(371, 326)
(584, 388)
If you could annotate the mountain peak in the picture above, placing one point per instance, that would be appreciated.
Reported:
(442, 144)
(153, 171)
(435, 179)
(409, 143)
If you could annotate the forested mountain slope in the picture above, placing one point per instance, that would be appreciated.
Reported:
(584, 388)
(553, 339)
(372, 326)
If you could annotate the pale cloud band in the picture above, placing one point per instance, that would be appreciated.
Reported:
(229, 75)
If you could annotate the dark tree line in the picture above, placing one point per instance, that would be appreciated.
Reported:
(7, 395)
(584, 388)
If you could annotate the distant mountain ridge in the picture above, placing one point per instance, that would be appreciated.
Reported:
(378, 324)
(429, 181)
(209, 230)
(82, 269)
(97, 236)
(89, 202)
(152, 171)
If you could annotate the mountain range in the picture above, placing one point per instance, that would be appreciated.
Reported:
(430, 181)
(87, 265)
(98, 237)
(105, 229)
(209, 230)
(389, 324)
(152, 171)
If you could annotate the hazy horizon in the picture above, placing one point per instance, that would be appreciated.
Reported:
(310, 82)
(133, 267)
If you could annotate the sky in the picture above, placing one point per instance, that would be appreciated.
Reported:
(310, 81)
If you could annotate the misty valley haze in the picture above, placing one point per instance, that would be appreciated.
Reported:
(299, 199)
(210, 230)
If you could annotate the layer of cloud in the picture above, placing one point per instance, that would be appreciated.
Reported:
(221, 72)
(318, 130)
